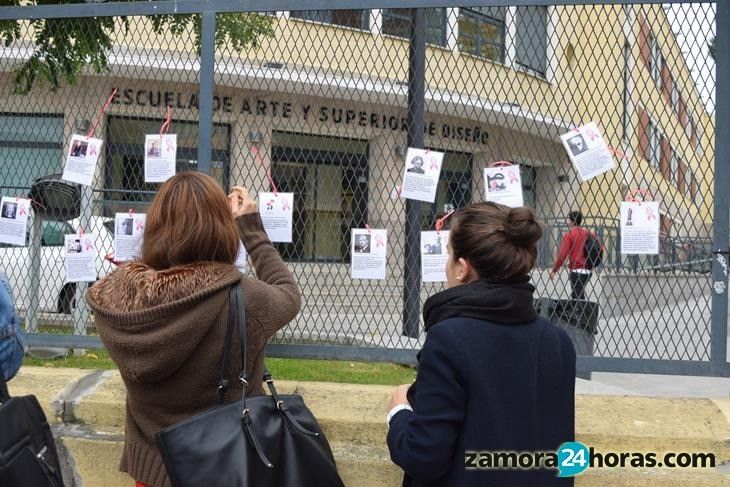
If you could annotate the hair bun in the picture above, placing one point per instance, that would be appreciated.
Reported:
(522, 227)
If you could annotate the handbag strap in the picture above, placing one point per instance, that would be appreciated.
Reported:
(223, 377)
(236, 315)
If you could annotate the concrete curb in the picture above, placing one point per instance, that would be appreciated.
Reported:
(88, 409)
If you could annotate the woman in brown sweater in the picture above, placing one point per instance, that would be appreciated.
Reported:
(163, 317)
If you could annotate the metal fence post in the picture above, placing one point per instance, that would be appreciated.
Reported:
(718, 344)
(34, 280)
(416, 109)
(207, 69)
(81, 313)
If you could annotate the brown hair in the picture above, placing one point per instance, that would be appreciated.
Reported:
(498, 241)
(189, 221)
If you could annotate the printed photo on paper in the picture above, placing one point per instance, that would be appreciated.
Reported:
(434, 256)
(81, 159)
(640, 228)
(369, 253)
(80, 257)
(277, 215)
(421, 174)
(588, 151)
(160, 157)
(503, 185)
(14, 220)
(128, 234)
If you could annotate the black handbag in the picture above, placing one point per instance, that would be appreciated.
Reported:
(258, 441)
(28, 454)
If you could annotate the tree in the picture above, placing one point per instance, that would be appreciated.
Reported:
(62, 48)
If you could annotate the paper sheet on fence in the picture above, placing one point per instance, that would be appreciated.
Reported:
(588, 151)
(277, 215)
(421, 174)
(128, 232)
(503, 185)
(434, 256)
(640, 228)
(14, 220)
(83, 153)
(241, 262)
(160, 156)
(80, 257)
(369, 251)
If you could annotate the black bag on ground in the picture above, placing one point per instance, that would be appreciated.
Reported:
(28, 456)
(260, 441)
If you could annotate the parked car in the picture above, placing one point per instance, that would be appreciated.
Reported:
(55, 295)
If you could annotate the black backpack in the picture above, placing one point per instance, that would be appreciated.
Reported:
(593, 250)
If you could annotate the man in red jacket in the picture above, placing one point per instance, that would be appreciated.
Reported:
(573, 249)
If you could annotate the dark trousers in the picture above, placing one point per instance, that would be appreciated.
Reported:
(578, 283)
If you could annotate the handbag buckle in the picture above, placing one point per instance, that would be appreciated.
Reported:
(243, 380)
(279, 404)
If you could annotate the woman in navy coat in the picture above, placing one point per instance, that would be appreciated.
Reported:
(493, 376)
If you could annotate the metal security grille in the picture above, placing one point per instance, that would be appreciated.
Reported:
(325, 103)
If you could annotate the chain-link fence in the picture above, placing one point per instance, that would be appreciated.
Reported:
(325, 103)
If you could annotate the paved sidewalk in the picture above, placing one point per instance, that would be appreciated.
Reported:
(87, 409)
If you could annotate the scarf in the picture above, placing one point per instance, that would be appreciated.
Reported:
(506, 302)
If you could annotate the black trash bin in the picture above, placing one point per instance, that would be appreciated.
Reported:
(579, 318)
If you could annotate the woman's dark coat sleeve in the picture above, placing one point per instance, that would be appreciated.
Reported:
(422, 442)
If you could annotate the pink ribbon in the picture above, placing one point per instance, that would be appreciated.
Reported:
(168, 143)
(89, 245)
(138, 223)
(21, 210)
(591, 135)
(379, 241)
(650, 214)
(92, 150)
(434, 164)
(285, 205)
(512, 177)
(440, 222)
(621, 156)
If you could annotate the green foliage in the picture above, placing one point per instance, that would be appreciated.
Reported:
(63, 48)
(713, 48)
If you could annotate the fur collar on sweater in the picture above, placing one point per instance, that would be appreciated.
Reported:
(136, 286)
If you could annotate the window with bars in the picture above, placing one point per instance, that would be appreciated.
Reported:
(37, 141)
(675, 96)
(531, 48)
(674, 168)
(329, 179)
(656, 60)
(688, 181)
(482, 32)
(124, 182)
(655, 150)
(356, 19)
(397, 21)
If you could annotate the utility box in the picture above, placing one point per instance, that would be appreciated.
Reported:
(579, 318)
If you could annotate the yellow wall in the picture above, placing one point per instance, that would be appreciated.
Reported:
(584, 83)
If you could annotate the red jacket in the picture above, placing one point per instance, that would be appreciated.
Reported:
(573, 246)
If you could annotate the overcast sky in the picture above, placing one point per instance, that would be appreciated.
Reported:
(694, 26)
